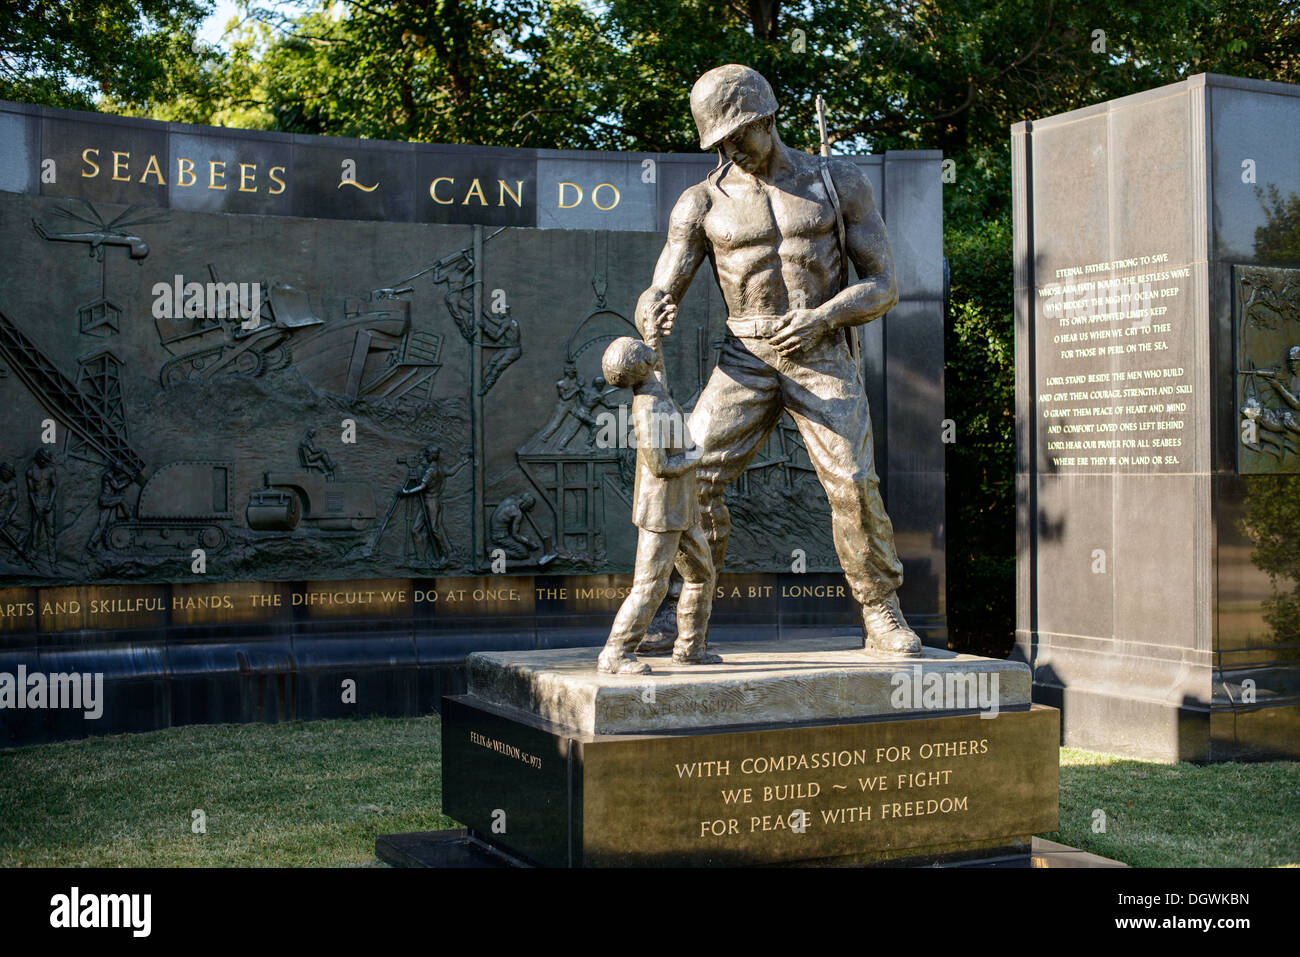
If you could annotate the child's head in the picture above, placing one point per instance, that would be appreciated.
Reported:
(627, 362)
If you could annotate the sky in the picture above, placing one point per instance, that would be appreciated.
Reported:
(215, 24)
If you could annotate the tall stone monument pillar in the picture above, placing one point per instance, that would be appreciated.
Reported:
(1157, 280)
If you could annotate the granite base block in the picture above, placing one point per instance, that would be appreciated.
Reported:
(458, 849)
(780, 756)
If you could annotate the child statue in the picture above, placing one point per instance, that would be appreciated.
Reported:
(666, 511)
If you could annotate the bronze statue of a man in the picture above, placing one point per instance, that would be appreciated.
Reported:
(779, 227)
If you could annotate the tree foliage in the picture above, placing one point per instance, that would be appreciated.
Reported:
(71, 53)
(979, 386)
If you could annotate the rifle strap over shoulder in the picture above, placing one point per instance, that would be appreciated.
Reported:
(839, 221)
(850, 333)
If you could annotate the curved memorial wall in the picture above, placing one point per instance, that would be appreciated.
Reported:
(286, 412)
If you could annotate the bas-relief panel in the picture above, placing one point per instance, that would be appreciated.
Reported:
(192, 395)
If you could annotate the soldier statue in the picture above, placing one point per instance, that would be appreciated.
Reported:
(780, 228)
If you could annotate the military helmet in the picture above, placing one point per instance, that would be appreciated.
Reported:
(728, 98)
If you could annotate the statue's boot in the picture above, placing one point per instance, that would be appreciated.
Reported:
(694, 653)
(692, 645)
(662, 633)
(615, 659)
(885, 630)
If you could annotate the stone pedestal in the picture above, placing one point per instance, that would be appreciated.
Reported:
(807, 752)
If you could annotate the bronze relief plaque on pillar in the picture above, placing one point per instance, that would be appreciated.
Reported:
(1266, 317)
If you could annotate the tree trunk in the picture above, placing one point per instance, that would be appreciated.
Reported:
(763, 17)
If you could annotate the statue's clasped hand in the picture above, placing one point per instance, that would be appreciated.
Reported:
(801, 330)
(656, 313)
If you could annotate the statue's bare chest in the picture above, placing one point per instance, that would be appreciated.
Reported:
(743, 214)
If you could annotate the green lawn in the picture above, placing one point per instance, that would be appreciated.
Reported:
(300, 794)
(318, 793)
(1182, 815)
